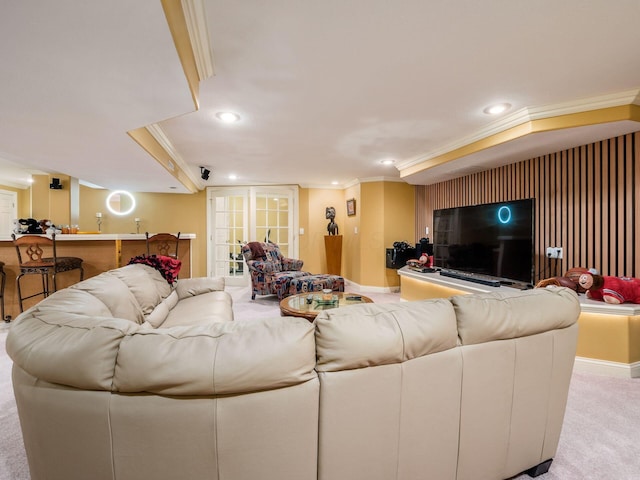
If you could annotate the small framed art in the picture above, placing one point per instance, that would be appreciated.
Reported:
(351, 207)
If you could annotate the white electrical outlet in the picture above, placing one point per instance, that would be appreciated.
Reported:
(555, 252)
(426, 230)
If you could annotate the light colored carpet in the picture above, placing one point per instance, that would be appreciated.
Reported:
(600, 437)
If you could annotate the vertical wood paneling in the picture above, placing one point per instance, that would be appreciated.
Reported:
(586, 198)
(628, 202)
(597, 204)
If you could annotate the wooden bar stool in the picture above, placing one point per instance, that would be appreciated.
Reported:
(165, 244)
(31, 261)
(3, 279)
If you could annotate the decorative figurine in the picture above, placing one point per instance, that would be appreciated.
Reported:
(332, 227)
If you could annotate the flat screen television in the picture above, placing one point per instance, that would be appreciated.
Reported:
(493, 239)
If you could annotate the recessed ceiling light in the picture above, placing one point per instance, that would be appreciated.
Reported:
(387, 161)
(233, 176)
(335, 182)
(497, 108)
(228, 117)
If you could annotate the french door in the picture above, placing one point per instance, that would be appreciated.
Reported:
(237, 215)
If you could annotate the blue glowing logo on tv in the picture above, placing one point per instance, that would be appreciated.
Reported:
(504, 214)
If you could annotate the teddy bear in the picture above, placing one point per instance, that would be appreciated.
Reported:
(570, 279)
(614, 290)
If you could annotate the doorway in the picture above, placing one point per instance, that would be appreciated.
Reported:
(237, 215)
(8, 212)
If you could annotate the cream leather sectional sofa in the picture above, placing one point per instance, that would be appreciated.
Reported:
(114, 381)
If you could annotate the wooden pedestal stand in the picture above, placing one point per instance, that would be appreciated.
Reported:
(333, 249)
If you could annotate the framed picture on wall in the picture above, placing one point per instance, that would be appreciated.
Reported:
(351, 207)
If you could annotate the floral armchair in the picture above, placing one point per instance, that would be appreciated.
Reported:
(271, 272)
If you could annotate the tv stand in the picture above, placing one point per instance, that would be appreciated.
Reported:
(608, 342)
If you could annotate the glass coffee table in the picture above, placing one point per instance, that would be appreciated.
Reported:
(309, 305)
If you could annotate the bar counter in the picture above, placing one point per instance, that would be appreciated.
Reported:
(100, 252)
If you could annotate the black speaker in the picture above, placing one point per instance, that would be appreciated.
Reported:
(424, 247)
(397, 257)
(55, 184)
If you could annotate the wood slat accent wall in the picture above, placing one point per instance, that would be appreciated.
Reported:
(587, 201)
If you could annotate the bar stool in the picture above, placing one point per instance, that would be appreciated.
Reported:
(32, 249)
(3, 279)
(163, 243)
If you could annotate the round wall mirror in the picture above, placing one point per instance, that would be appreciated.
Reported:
(121, 202)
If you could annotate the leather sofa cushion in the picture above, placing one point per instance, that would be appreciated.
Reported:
(115, 294)
(145, 283)
(218, 359)
(68, 349)
(377, 334)
(204, 309)
(502, 315)
(159, 314)
(73, 300)
(190, 287)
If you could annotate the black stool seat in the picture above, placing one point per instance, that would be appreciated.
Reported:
(31, 260)
(64, 264)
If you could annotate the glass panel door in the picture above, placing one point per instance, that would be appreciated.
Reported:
(229, 215)
(272, 219)
(241, 215)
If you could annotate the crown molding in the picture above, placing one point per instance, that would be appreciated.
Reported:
(353, 183)
(196, 20)
(525, 115)
(13, 184)
(380, 179)
(179, 164)
(155, 143)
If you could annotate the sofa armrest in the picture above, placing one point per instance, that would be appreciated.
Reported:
(190, 287)
(262, 266)
(289, 264)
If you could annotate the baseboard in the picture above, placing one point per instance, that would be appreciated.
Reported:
(605, 367)
(368, 288)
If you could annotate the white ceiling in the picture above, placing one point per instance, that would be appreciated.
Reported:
(326, 90)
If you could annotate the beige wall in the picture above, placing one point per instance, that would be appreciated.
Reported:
(351, 246)
(388, 216)
(50, 204)
(24, 200)
(313, 202)
(385, 213)
(158, 212)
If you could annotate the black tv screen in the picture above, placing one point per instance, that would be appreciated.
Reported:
(491, 239)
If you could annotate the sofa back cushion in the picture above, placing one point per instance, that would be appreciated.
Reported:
(272, 256)
(67, 348)
(218, 359)
(145, 283)
(74, 301)
(504, 315)
(115, 294)
(376, 334)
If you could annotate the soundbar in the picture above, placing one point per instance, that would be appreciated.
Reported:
(471, 277)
